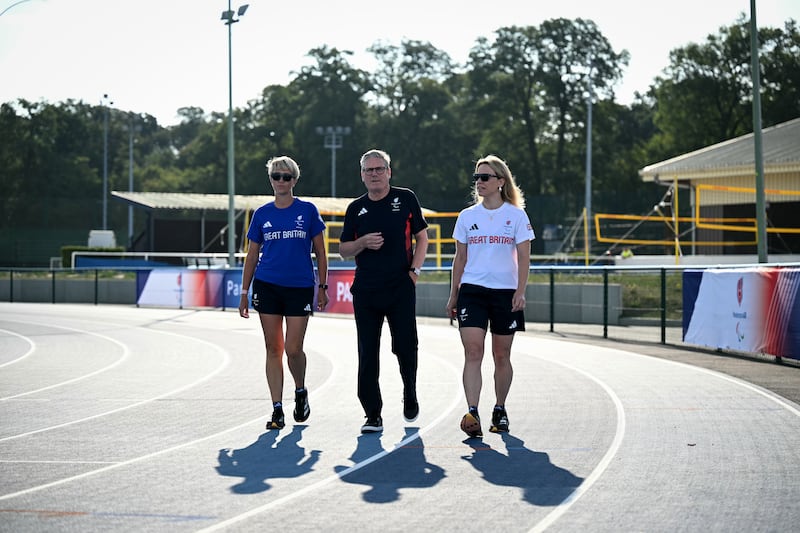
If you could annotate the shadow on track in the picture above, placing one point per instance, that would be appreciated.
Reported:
(405, 467)
(267, 458)
(542, 482)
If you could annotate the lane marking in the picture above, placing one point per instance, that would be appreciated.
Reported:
(125, 354)
(604, 463)
(225, 361)
(30, 342)
(369, 460)
(165, 450)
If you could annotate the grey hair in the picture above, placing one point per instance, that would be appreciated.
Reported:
(374, 152)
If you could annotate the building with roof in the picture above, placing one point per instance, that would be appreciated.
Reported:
(720, 182)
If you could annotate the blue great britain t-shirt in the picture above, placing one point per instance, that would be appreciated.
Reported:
(285, 237)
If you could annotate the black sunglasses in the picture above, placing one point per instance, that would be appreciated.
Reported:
(277, 176)
(483, 177)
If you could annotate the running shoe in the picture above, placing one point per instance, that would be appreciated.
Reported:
(373, 424)
(471, 424)
(410, 409)
(499, 421)
(277, 421)
(301, 408)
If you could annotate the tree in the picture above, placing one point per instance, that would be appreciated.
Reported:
(706, 94)
(329, 93)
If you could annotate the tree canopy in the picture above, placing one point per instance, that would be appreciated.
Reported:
(521, 95)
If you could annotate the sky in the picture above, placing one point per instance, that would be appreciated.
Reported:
(155, 56)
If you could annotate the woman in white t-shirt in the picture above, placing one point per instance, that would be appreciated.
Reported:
(490, 272)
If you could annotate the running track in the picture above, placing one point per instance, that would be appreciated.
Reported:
(118, 418)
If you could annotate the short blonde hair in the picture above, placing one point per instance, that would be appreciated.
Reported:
(284, 162)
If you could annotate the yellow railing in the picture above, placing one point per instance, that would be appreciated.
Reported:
(702, 222)
(738, 224)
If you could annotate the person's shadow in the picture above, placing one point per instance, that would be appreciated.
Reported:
(266, 459)
(542, 482)
(405, 467)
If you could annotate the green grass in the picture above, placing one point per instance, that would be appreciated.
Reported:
(641, 291)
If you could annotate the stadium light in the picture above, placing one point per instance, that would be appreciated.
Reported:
(229, 18)
(333, 139)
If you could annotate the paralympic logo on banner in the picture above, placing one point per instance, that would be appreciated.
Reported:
(753, 309)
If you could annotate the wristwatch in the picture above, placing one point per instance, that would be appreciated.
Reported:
(323, 286)
(416, 271)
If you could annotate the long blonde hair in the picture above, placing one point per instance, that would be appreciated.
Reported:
(510, 192)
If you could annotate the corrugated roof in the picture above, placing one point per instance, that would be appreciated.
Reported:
(219, 202)
(735, 157)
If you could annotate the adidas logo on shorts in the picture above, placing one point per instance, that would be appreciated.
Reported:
(307, 307)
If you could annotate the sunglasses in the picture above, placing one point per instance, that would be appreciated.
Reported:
(278, 176)
(483, 177)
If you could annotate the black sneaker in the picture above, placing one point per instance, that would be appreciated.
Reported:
(301, 408)
(471, 424)
(499, 421)
(277, 419)
(410, 409)
(373, 424)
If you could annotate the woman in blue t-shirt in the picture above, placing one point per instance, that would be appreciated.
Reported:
(279, 265)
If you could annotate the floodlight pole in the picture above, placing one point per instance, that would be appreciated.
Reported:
(333, 139)
(229, 18)
(761, 215)
(106, 102)
(132, 130)
(588, 187)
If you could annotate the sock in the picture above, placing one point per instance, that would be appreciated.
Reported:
(473, 409)
(301, 389)
(499, 407)
(277, 405)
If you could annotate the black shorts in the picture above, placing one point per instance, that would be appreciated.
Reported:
(272, 299)
(479, 307)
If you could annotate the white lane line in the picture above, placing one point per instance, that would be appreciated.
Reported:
(125, 354)
(160, 452)
(33, 462)
(125, 463)
(371, 459)
(771, 396)
(604, 463)
(30, 342)
(562, 508)
(225, 361)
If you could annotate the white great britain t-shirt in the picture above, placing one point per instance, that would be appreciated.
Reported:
(491, 236)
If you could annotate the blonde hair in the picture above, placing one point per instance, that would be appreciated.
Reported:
(284, 162)
(510, 192)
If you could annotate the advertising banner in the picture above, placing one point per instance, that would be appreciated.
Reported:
(751, 310)
(182, 287)
(339, 282)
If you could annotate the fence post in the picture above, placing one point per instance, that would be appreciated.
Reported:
(605, 302)
(552, 299)
(663, 306)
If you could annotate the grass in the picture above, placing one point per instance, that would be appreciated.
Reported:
(641, 291)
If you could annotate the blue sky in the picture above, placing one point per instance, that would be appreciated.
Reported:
(154, 56)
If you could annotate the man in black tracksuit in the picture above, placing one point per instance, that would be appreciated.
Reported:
(378, 229)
